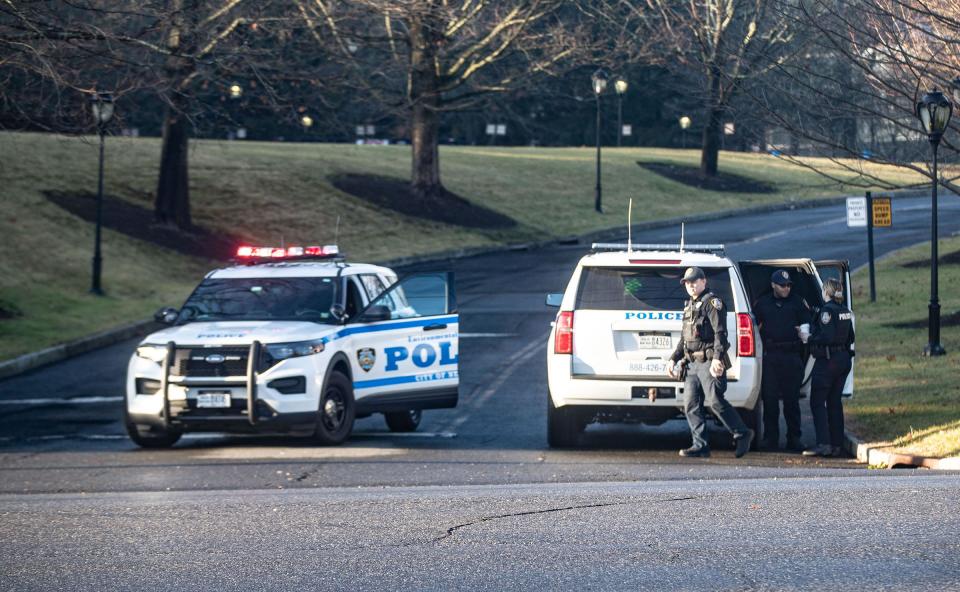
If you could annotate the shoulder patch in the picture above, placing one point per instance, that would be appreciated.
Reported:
(717, 303)
(825, 318)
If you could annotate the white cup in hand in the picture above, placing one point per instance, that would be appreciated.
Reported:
(804, 332)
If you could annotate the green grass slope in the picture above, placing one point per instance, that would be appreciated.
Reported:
(268, 191)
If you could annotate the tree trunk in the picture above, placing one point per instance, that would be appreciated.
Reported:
(425, 99)
(710, 150)
(172, 205)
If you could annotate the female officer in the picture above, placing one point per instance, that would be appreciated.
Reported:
(830, 345)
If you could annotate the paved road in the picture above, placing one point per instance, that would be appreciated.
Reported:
(60, 432)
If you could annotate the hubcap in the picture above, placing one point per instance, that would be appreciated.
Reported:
(333, 410)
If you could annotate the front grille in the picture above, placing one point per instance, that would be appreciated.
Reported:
(194, 362)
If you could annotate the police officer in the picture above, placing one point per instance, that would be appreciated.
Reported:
(781, 315)
(703, 347)
(830, 345)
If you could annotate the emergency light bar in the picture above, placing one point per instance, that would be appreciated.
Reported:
(717, 248)
(247, 253)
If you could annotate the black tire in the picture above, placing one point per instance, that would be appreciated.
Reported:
(563, 425)
(149, 436)
(404, 421)
(754, 420)
(336, 411)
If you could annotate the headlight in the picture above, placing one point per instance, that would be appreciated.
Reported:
(282, 351)
(154, 353)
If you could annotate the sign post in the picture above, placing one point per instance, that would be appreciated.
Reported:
(873, 282)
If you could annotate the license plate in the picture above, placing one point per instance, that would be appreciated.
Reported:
(654, 342)
(213, 400)
(653, 367)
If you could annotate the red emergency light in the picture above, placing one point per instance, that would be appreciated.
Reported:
(249, 253)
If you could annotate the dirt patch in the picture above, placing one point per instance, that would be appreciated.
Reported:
(722, 182)
(950, 320)
(948, 259)
(444, 206)
(137, 222)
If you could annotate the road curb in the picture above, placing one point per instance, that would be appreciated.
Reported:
(61, 352)
(874, 455)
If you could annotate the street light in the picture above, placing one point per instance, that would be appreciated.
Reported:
(101, 104)
(621, 87)
(684, 125)
(599, 80)
(934, 111)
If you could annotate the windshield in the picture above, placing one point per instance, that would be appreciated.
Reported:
(261, 299)
(644, 288)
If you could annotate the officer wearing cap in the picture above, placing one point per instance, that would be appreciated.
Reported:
(784, 322)
(703, 346)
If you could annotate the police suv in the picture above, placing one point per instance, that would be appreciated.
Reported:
(620, 319)
(296, 341)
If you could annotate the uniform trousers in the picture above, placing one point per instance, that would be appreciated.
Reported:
(826, 390)
(703, 389)
(782, 376)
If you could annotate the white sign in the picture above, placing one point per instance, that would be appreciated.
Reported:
(627, 130)
(241, 133)
(361, 130)
(501, 129)
(729, 129)
(857, 212)
(491, 129)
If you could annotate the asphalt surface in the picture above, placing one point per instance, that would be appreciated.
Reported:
(373, 513)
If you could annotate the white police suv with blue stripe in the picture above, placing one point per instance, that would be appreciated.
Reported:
(296, 340)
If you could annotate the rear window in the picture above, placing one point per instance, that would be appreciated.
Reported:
(644, 288)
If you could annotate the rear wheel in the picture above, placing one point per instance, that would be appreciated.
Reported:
(403, 421)
(336, 412)
(563, 425)
(754, 420)
(149, 436)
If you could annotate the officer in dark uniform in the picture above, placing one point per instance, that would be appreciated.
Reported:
(780, 316)
(703, 347)
(830, 344)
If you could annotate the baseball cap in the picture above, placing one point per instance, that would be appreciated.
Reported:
(693, 274)
(781, 277)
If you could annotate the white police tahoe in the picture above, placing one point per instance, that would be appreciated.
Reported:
(296, 341)
(620, 319)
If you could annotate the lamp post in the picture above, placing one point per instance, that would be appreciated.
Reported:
(621, 87)
(101, 104)
(684, 125)
(934, 111)
(599, 80)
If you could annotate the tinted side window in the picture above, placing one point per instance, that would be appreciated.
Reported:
(416, 296)
(644, 288)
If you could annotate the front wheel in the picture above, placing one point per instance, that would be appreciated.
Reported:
(404, 421)
(148, 436)
(336, 411)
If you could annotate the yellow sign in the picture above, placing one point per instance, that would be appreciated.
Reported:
(882, 212)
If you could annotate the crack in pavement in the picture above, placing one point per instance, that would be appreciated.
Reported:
(453, 529)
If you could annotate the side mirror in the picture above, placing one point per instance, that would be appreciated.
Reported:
(376, 313)
(166, 315)
(338, 312)
(554, 300)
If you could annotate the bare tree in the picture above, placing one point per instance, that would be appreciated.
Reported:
(421, 58)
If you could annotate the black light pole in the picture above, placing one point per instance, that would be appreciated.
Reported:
(621, 87)
(934, 111)
(102, 106)
(599, 79)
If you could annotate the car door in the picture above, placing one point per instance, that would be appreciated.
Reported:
(840, 270)
(404, 346)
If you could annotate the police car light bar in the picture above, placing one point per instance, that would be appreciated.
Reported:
(248, 253)
(717, 248)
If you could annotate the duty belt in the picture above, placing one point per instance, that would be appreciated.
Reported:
(782, 346)
(825, 350)
(697, 356)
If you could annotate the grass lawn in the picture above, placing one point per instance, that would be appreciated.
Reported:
(903, 398)
(266, 192)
